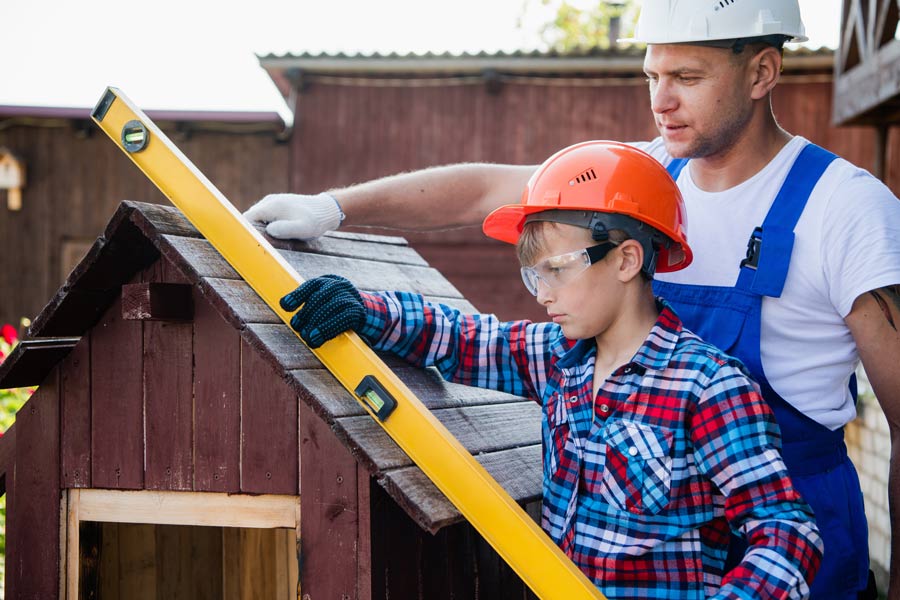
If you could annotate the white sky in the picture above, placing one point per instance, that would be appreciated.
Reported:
(201, 54)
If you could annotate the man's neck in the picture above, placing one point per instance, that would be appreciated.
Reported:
(744, 159)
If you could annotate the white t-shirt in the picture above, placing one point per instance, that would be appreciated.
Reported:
(847, 243)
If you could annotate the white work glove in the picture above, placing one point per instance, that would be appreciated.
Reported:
(297, 216)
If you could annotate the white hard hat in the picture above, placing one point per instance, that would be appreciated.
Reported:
(686, 21)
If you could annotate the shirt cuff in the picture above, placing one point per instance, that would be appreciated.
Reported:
(376, 308)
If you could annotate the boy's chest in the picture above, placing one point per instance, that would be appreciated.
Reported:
(575, 401)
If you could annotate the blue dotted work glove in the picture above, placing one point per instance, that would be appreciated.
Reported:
(331, 306)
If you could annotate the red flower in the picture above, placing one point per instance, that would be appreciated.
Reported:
(9, 333)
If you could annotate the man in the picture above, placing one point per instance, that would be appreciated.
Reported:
(797, 263)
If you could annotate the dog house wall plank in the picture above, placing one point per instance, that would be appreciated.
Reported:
(75, 408)
(217, 401)
(168, 393)
(117, 408)
(33, 507)
(269, 463)
(330, 518)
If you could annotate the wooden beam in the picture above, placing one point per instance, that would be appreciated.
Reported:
(31, 360)
(73, 544)
(188, 508)
(156, 301)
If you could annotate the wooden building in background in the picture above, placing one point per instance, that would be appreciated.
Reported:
(75, 179)
(184, 444)
(359, 117)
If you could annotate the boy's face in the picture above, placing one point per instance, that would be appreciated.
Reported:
(587, 304)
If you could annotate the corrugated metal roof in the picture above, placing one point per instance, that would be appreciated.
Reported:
(587, 60)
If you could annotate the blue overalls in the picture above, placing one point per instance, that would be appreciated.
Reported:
(816, 457)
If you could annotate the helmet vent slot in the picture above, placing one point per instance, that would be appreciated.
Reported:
(724, 3)
(584, 176)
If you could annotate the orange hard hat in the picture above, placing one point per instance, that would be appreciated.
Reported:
(599, 178)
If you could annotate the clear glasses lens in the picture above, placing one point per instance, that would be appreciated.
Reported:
(555, 271)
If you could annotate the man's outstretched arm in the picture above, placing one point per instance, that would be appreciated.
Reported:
(434, 198)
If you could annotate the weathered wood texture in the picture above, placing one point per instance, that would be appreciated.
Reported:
(211, 404)
(33, 499)
(331, 523)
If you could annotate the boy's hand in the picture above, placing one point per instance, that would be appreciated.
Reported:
(295, 216)
(331, 306)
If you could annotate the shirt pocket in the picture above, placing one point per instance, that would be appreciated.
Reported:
(557, 437)
(636, 471)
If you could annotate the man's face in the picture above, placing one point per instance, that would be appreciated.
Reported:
(700, 97)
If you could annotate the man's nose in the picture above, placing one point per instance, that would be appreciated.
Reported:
(662, 98)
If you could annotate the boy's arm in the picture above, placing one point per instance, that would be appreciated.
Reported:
(736, 445)
(477, 350)
(435, 198)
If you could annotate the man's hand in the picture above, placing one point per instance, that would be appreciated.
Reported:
(331, 305)
(295, 216)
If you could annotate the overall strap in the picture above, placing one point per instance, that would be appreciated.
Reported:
(676, 166)
(765, 268)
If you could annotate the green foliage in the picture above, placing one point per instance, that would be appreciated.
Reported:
(587, 24)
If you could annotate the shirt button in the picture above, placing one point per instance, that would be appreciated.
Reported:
(572, 399)
(632, 451)
(604, 408)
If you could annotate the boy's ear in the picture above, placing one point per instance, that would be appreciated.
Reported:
(632, 260)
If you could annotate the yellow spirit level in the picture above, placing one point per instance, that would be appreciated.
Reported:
(480, 499)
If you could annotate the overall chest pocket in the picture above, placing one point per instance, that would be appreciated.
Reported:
(636, 470)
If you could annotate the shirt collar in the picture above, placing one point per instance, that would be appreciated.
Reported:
(654, 354)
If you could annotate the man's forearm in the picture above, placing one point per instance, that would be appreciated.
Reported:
(894, 504)
(435, 198)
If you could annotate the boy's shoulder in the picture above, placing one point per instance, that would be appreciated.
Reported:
(708, 361)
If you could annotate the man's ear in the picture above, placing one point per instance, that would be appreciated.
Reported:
(631, 260)
(765, 70)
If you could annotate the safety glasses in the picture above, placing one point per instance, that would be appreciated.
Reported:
(560, 270)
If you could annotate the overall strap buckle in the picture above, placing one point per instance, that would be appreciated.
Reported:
(753, 247)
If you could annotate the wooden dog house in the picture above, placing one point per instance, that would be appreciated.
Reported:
(183, 443)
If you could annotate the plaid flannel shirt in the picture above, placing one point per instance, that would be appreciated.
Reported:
(642, 486)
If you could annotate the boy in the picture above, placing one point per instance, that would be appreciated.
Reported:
(655, 444)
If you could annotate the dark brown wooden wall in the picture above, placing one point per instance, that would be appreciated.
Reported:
(75, 182)
(347, 134)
